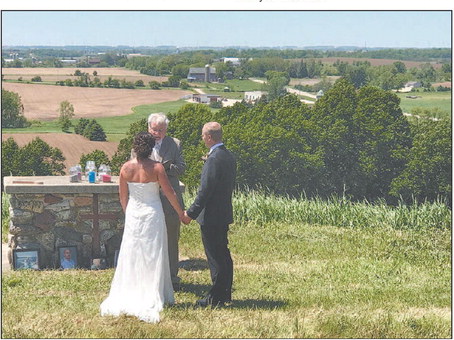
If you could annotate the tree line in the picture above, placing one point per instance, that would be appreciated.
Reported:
(353, 142)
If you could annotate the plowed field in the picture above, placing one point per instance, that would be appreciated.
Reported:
(54, 74)
(42, 102)
(71, 145)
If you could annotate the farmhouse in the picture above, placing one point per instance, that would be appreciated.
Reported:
(319, 94)
(234, 61)
(132, 55)
(203, 98)
(253, 96)
(412, 84)
(206, 74)
(69, 61)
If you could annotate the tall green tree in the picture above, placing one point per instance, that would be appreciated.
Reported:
(94, 131)
(12, 110)
(66, 112)
(186, 125)
(10, 157)
(81, 125)
(428, 173)
(37, 158)
(98, 156)
(123, 152)
(332, 121)
(383, 140)
(272, 143)
(276, 83)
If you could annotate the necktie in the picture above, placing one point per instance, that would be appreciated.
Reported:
(155, 153)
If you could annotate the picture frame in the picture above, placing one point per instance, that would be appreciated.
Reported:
(67, 257)
(26, 259)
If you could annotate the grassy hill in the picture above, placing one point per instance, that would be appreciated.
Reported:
(302, 269)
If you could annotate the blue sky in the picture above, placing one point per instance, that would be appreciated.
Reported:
(228, 28)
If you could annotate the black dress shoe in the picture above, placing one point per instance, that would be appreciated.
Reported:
(205, 302)
(176, 286)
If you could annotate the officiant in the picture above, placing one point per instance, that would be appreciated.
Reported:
(167, 150)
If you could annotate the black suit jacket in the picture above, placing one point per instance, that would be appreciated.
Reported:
(213, 204)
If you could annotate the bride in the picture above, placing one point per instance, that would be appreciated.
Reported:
(141, 284)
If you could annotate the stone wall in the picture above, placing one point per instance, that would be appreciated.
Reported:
(49, 220)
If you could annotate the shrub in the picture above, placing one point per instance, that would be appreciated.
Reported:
(93, 131)
(139, 83)
(98, 156)
(216, 105)
(184, 85)
(154, 85)
(36, 79)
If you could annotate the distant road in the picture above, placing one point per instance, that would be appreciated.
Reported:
(301, 93)
(292, 90)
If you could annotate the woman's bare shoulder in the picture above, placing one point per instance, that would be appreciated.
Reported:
(128, 168)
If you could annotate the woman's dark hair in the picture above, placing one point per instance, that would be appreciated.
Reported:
(143, 145)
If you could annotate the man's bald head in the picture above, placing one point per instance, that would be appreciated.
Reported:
(213, 129)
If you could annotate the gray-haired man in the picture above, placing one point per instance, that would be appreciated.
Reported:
(167, 150)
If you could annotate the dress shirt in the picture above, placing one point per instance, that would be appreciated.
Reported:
(215, 146)
(156, 148)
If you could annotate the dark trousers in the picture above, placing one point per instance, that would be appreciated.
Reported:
(214, 238)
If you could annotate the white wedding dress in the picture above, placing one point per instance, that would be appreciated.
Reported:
(141, 284)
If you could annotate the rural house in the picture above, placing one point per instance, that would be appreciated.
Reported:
(253, 96)
(206, 74)
(234, 61)
(413, 84)
(203, 98)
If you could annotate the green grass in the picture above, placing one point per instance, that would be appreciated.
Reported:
(329, 278)
(114, 127)
(238, 87)
(427, 101)
(5, 217)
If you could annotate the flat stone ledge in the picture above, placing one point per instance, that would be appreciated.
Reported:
(56, 185)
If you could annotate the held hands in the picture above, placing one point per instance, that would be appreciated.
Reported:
(185, 218)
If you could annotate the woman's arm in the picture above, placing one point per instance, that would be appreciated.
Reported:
(123, 189)
(168, 190)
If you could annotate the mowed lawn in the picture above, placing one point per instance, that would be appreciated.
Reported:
(291, 280)
(442, 101)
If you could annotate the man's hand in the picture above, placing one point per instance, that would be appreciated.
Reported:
(186, 219)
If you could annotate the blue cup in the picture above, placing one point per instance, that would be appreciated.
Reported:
(92, 177)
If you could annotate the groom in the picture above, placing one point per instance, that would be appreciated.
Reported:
(213, 210)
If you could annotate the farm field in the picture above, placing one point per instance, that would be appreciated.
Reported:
(427, 100)
(60, 73)
(376, 62)
(42, 102)
(71, 145)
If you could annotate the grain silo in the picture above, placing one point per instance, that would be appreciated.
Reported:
(207, 73)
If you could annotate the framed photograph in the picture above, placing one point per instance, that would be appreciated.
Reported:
(26, 259)
(68, 257)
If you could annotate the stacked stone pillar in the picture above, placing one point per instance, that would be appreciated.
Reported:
(48, 212)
